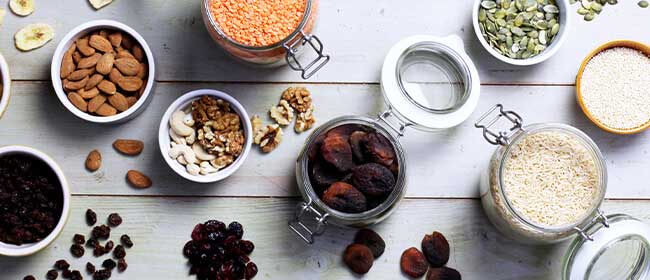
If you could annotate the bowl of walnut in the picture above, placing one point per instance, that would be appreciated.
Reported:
(103, 72)
(205, 135)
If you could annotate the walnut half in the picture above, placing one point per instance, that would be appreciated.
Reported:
(269, 137)
(305, 120)
(282, 114)
(299, 98)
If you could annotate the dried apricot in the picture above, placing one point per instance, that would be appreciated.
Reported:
(336, 150)
(344, 130)
(358, 258)
(378, 148)
(413, 263)
(324, 175)
(372, 240)
(436, 249)
(344, 197)
(373, 179)
(443, 273)
(355, 143)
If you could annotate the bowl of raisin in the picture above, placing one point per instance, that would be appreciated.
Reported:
(34, 201)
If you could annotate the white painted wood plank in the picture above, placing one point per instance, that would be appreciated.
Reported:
(443, 164)
(356, 33)
(161, 226)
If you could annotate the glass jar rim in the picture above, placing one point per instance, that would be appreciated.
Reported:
(400, 181)
(222, 34)
(590, 145)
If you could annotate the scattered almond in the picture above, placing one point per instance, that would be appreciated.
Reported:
(128, 147)
(93, 161)
(138, 179)
(106, 110)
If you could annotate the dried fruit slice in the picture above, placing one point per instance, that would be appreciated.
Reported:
(22, 7)
(98, 4)
(33, 36)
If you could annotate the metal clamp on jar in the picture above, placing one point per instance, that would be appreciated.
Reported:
(285, 51)
(428, 83)
(604, 246)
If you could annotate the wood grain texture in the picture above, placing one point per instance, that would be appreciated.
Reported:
(442, 164)
(357, 34)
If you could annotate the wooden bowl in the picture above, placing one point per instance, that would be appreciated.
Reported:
(645, 49)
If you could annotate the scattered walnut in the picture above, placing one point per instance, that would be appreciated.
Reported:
(257, 124)
(269, 137)
(283, 113)
(305, 120)
(299, 98)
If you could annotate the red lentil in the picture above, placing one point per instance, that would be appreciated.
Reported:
(257, 22)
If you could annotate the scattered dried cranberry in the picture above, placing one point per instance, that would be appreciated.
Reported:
(413, 263)
(90, 268)
(126, 241)
(61, 265)
(77, 250)
(91, 217)
(236, 229)
(52, 274)
(114, 219)
(109, 264)
(436, 249)
(102, 274)
(372, 240)
(122, 265)
(108, 246)
(99, 251)
(79, 239)
(76, 275)
(101, 232)
(246, 246)
(443, 273)
(119, 252)
(29, 277)
(358, 258)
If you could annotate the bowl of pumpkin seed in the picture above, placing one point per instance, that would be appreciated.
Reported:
(521, 32)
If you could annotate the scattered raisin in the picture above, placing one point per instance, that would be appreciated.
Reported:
(336, 151)
(344, 197)
(90, 268)
(67, 273)
(436, 249)
(61, 265)
(413, 263)
(76, 275)
(119, 252)
(373, 179)
(109, 264)
(79, 239)
(122, 265)
(52, 274)
(99, 251)
(101, 232)
(102, 274)
(372, 240)
(92, 243)
(91, 217)
(29, 277)
(378, 148)
(443, 273)
(358, 258)
(126, 241)
(236, 229)
(251, 270)
(114, 220)
(77, 250)
(109, 246)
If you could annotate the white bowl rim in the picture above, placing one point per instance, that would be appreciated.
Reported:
(164, 141)
(543, 56)
(31, 248)
(6, 85)
(62, 48)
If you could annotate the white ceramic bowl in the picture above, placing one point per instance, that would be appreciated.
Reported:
(6, 85)
(184, 102)
(565, 20)
(28, 249)
(83, 30)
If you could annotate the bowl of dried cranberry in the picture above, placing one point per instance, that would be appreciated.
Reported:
(34, 201)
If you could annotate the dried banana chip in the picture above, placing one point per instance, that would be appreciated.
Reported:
(98, 4)
(2, 15)
(22, 7)
(33, 36)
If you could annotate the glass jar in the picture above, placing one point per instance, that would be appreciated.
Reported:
(286, 51)
(428, 83)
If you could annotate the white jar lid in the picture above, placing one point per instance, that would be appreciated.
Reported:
(430, 82)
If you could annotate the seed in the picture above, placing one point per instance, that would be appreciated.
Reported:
(643, 4)
(589, 17)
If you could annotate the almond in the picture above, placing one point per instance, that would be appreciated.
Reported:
(71, 49)
(144, 69)
(100, 43)
(119, 102)
(78, 75)
(76, 57)
(124, 54)
(93, 81)
(105, 63)
(107, 87)
(138, 179)
(128, 66)
(103, 33)
(128, 147)
(93, 161)
(127, 42)
(106, 110)
(115, 75)
(84, 48)
(130, 83)
(96, 102)
(77, 101)
(90, 61)
(131, 100)
(116, 39)
(138, 53)
(67, 65)
(88, 94)
(75, 85)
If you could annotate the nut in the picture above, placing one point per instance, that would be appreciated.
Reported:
(269, 138)
(78, 101)
(138, 179)
(115, 39)
(128, 147)
(185, 151)
(96, 102)
(128, 66)
(193, 169)
(75, 85)
(130, 83)
(84, 48)
(105, 63)
(93, 81)
(358, 258)
(79, 74)
(100, 43)
(201, 153)
(118, 101)
(106, 110)
(107, 87)
(443, 273)
(299, 98)
(282, 114)
(176, 123)
(305, 121)
(93, 161)
(67, 65)
(89, 61)
(413, 263)
(88, 94)
(436, 249)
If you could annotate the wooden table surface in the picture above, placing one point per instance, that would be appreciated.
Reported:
(444, 167)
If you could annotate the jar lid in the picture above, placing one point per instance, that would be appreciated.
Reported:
(616, 248)
(430, 82)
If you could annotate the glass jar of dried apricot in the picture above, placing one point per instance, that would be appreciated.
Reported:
(266, 33)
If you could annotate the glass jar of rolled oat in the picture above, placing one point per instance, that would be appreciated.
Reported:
(267, 33)
(429, 83)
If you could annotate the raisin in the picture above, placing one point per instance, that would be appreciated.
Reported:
(246, 246)
(336, 151)
(102, 274)
(372, 240)
(126, 241)
(378, 148)
(77, 250)
(52, 274)
(436, 249)
(29, 277)
(355, 143)
(90, 268)
(122, 265)
(236, 229)
(79, 239)
(358, 258)
(92, 243)
(99, 251)
(101, 232)
(344, 197)
(373, 179)
(67, 274)
(109, 264)
(119, 252)
(443, 273)
(91, 217)
(76, 275)
(251, 270)
(109, 246)
(413, 263)
(61, 265)
(114, 219)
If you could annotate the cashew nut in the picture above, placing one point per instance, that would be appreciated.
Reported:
(185, 151)
(201, 153)
(176, 123)
(176, 138)
(193, 169)
(181, 160)
(190, 139)
(188, 120)
(206, 168)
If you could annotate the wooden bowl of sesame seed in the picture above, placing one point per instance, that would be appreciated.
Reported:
(611, 87)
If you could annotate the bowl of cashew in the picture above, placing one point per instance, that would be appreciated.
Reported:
(179, 140)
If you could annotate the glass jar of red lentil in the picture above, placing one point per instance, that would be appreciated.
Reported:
(267, 33)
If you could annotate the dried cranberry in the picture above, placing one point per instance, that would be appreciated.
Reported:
(61, 264)
(251, 270)
(114, 219)
(413, 263)
(109, 264)
(443, 273)
(199, 233)
(99, 251)
(91, 217)
(122, 265)
(372, 240)
(52, 274)
(126, 241)
(119, 252)
(373, 179)
(344, 197)
(90, 268)
(214, 226)
(246, 246)
(436, 249)
(358, 258)
(77, 250)
(236, 229)
(79, 239)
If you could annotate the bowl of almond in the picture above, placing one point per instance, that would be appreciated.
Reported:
(103, 72)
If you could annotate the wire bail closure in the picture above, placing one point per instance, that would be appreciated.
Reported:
(502, 137)
(600, 218)
(301, 229)
(314, 65)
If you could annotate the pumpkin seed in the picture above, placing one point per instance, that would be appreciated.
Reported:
(643, 4)
(488, 4)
